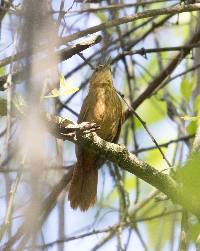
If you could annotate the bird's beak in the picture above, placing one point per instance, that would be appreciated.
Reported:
(108, 62)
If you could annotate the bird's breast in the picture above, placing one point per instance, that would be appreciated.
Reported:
(105, 111)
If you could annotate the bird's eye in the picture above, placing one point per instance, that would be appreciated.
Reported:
(99, 67)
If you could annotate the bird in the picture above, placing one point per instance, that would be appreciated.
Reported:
(102, 106)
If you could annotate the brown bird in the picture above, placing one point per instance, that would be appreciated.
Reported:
(103, 107)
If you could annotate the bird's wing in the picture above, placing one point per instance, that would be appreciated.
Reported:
(121, 121)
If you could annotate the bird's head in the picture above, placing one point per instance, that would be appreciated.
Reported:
(102, 76)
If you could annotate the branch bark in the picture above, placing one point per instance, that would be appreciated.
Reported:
(129, 162)
(115, 153)
(64, 55)
(148, 13)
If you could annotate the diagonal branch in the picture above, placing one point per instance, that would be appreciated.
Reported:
(123, 20)
(64, 54)
(117, 154)
(157, 81)
(129, 162)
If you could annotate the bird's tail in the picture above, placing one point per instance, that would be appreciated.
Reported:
(83, 188)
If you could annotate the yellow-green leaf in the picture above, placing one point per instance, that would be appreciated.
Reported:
(70, 91)
(151, 111)
(62, 81)
(65, 89)
(194, 118)
(187, 86)
(197, 104)
(192, 127)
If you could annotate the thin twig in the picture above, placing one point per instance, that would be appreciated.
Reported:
(144, 51)
(145, 127)
(184, 138)
(148, 13)
(10, 206)
(118, 6)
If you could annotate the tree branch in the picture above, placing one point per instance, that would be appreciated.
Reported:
(158, 80)
(48, 203)
(113, 152)
(123, 20)
(129, 162)
(64, 54)
(117, 6)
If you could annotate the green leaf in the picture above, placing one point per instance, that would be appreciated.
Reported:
(158, 229)
(130, 182)
(192, 127)
(154, 158)
(197, 104)
(194, 231)
(186, 88)
(151, 111)
(3, 107)
(2, 71)
(189, 176)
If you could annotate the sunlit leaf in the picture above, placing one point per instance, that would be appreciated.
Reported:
(189, 176)
(194, 231)
(151, 111)
(194, 118)
(65, 89)
(197, 104)
(186, 88)
(70, 91)
(62, 81)
(192, 127)
(130, 183)
(154, 158)
(158, 230)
